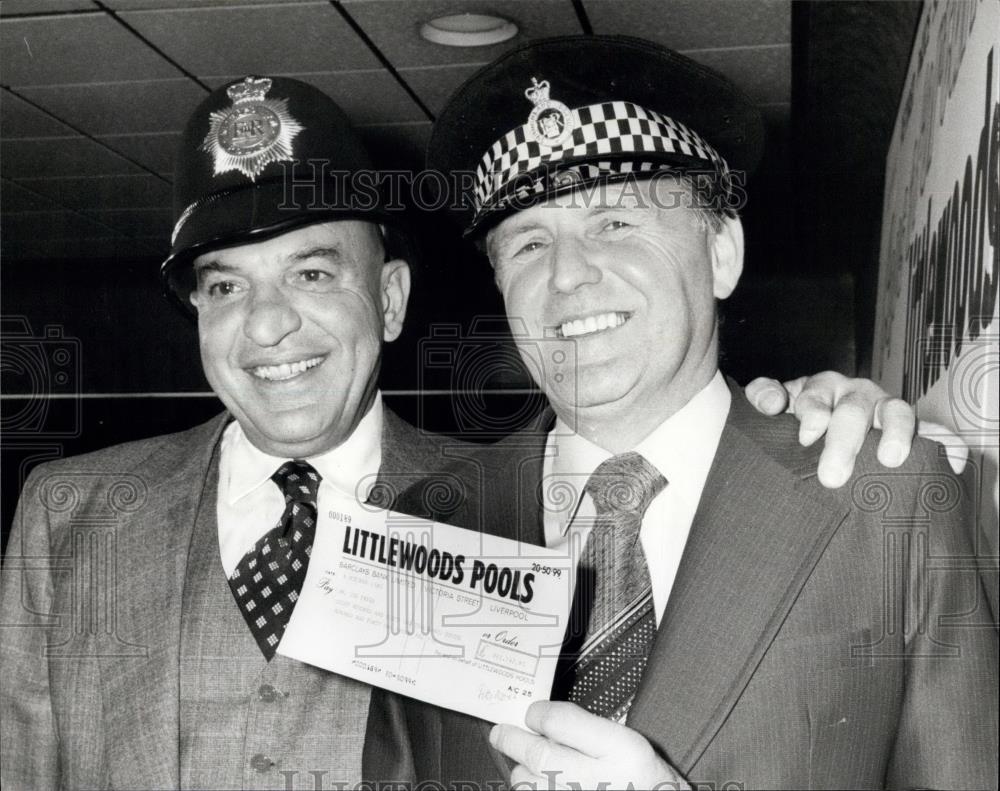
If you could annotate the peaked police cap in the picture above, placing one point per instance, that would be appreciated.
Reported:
(561, 113)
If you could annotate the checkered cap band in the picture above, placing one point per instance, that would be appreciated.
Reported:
(571, 176)
(606, 129)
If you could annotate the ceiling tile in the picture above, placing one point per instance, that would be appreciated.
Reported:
(154, 150)
(20, 119)
(160, 106)
(394, 26)
(60, 50)
(56, 157)
(694, 24)
(24, 7)
(383, 99)
(27, 226)
(435, 84)
(108, 192)
(15, 198)
(397, 146)
(309, 37)
(765, 73)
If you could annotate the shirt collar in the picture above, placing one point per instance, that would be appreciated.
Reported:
(682, 447)
(352, 464)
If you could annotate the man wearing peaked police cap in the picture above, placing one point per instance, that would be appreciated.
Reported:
(734, 623)
(294, 297)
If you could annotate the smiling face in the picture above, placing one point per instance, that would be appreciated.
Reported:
(291, 330)
(630, 281)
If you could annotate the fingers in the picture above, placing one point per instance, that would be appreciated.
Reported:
(813, 409)
(536, 753)
(897, 419)
(794, 387)
(767, 395)
(814, 401)
(575, 727)
(576, 749)
(846, 434)
(954, 446)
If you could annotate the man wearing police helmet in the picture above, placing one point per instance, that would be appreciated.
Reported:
(286, 259)
(282, 255)
(735, 623)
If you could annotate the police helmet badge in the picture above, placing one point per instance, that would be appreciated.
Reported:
(253, 133)
(550, 122)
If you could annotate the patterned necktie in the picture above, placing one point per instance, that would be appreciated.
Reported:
(268, 578)
(612, 623)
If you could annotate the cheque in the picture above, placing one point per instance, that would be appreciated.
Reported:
(453, 617)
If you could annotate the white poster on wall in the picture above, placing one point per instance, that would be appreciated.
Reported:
(937, 335)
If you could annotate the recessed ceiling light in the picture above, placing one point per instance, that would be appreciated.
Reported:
(468, 30)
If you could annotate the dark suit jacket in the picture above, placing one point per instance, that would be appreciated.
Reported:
(813, 638)
(89, 683)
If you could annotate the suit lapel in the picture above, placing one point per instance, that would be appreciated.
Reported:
(141, 694)
(754, 541)
(408, 455)
(513, 483)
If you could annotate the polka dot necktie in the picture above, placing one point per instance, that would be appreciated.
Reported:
(268, 578)
(612, 622)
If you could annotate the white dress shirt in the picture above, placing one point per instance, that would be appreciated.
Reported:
(681, 448)
(250, 503)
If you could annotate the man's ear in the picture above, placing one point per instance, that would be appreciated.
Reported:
(395, 295)
(727, 257)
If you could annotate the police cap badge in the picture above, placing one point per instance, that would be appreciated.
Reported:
(253, 132)
(550, 122)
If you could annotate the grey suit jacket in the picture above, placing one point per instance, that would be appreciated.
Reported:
(90, 607)
(812, 639)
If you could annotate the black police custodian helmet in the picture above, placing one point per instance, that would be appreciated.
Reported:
(261, 156)
(561, 113)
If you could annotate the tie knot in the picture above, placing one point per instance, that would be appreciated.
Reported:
(626, 483)
(298, 481)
